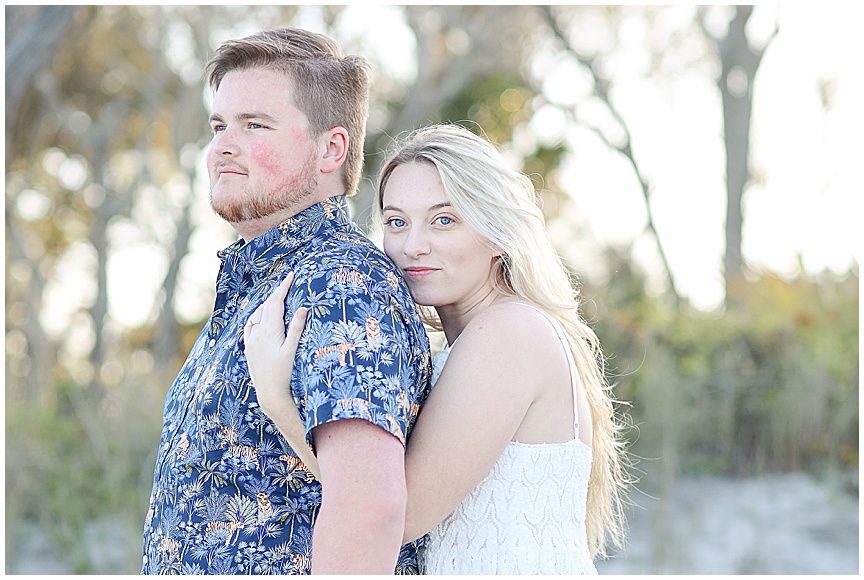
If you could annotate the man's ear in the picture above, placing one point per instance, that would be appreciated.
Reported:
(335, 143)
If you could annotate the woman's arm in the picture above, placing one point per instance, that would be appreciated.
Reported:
(477, 405)
(270, 355)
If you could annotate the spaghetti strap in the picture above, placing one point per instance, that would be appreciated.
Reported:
(574, 373)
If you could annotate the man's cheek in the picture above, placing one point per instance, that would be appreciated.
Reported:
(266, 156)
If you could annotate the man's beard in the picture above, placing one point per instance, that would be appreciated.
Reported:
(259, 204)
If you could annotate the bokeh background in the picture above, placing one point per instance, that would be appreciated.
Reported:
(700, 173)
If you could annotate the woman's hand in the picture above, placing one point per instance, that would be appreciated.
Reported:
(270, 355)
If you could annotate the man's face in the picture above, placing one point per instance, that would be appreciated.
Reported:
(262, 160)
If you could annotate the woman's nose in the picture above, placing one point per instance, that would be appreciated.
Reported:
(416, 243)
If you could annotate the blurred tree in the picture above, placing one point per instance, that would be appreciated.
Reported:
(463, 53)
(105, 119)
(739, 55)
(739, 60)
(619, 138)
(32, 36)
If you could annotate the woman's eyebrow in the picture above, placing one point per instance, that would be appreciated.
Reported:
(436, 206)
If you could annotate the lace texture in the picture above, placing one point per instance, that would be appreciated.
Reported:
(527, 516)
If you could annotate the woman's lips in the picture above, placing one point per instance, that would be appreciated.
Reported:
(417, 272)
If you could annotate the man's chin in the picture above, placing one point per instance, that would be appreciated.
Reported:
(238, 211)
(230, 210)
(226, 212)
(244, 218)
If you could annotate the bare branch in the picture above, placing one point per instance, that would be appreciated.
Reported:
(601, 89)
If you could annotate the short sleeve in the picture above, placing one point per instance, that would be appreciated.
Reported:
(355, 357)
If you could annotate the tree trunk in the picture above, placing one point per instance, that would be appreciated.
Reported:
(739, 62)
(189, 127)
(31, 42)
(36, 387)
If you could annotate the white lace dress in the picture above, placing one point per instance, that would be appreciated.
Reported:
(527, 516)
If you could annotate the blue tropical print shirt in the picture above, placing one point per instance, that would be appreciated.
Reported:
(229, 495)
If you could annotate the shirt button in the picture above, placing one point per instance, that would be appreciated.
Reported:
(212, 341)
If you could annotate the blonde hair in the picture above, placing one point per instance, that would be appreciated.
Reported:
(331, 90)
(500, 204)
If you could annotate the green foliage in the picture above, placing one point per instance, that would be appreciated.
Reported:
(81, 460)
(499, 103)
(770, 384)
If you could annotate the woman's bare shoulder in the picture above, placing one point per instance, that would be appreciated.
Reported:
(512, 328)
(515, 314)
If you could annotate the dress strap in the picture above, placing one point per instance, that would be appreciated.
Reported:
(574, 373)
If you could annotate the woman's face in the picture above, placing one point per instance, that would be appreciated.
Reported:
(444, 262)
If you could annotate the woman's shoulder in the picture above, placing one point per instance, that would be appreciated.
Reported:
(517, 327)
(516, 346)
(516, 313)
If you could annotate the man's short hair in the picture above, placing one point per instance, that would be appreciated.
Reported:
(330, 89)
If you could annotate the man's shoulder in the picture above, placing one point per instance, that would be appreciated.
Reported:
(349, 256)
(351, 244)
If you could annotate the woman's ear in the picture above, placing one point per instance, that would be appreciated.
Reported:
(335, 149)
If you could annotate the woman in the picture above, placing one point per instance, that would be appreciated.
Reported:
(515, 463)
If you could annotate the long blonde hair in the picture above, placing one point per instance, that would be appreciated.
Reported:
(500, 204)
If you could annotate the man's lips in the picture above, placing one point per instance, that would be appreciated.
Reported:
(229, 171)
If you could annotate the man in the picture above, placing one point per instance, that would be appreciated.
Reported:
(229, 495)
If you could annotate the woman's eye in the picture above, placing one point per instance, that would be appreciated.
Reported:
(444, 220)
(395, 222)
(256, 126)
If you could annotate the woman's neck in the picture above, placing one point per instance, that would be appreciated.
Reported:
(455, 317)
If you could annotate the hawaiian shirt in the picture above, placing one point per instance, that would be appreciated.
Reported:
(229, 495)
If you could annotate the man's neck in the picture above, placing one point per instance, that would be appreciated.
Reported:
(251, 229)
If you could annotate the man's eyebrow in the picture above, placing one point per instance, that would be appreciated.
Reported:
(246, 117)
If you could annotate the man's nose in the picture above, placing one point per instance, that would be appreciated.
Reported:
(225, 144)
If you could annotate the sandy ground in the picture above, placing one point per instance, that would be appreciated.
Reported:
(780, 524)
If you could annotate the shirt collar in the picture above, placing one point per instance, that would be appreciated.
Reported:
(296, 231)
